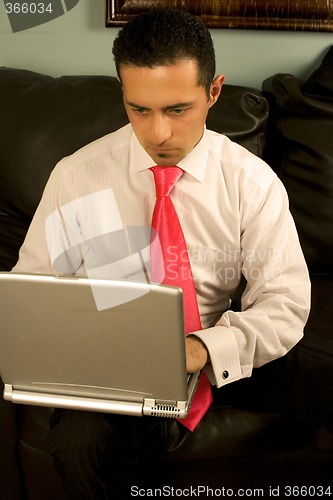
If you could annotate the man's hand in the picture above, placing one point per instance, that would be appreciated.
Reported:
(196, 354)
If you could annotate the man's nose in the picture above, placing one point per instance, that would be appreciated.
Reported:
(160, 129)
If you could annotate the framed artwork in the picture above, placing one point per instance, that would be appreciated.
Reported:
(306, 15)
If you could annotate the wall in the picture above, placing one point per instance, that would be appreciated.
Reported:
(78, 43)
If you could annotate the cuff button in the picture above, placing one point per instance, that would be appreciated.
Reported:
(225, 374)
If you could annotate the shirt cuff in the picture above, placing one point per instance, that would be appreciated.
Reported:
(224, 366)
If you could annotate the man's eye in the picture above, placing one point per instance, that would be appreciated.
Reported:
(178, 111)
(139, 111)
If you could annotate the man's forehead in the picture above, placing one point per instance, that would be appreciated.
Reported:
(163, 86)
(182, 68)
(175, 62)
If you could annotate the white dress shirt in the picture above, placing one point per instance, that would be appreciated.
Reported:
(234, 213)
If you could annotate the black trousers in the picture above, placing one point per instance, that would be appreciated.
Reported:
(99, 456)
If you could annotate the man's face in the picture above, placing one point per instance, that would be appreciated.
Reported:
(167, 108)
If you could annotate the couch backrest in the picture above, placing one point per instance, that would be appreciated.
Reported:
(300, 149)
(43, 119)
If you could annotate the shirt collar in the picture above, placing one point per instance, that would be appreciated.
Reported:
(194, 163)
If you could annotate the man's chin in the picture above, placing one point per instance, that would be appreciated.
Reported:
(165, 159)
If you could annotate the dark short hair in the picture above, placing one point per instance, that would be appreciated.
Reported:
(164, 37)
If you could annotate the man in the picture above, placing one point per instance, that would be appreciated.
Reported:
(234, 215)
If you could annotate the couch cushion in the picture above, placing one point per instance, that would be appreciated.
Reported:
(241, 113)
(44, 119)
(320, 83)
(300, 149)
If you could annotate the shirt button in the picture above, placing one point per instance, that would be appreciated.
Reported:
(225, 374)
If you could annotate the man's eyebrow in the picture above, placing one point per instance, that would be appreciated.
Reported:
(133, 105)
(178, 105)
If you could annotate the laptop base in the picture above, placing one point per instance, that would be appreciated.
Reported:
(147, 407)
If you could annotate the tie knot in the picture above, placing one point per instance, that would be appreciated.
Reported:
(165, 179)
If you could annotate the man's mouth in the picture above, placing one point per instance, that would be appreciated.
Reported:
(163, 151)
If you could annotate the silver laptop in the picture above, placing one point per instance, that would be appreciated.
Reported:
(99, 345)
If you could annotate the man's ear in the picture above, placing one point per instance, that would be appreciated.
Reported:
(215, 89)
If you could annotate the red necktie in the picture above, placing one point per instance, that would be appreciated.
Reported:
(175, 270)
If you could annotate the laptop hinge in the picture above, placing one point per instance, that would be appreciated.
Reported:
(170, 409)
(8, 392)
(77, 403)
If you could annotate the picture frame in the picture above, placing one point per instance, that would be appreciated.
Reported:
(305, 15)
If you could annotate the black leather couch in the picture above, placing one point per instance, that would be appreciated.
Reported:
(251, 442)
